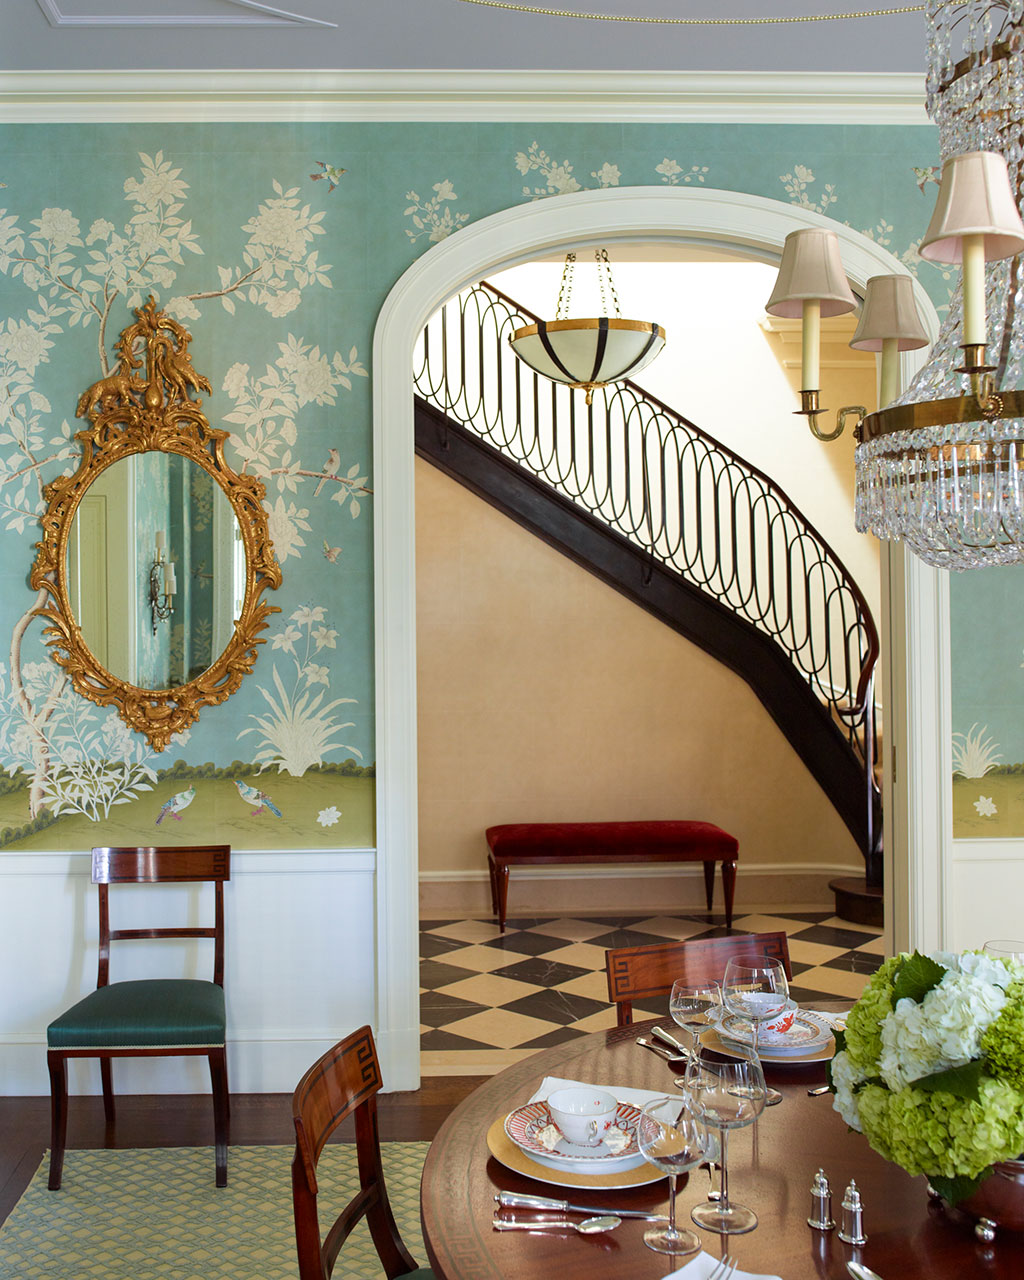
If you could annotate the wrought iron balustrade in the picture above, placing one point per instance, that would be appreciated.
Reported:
(665, 485)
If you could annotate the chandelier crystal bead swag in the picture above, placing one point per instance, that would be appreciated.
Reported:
(941, 467)
(592, 352)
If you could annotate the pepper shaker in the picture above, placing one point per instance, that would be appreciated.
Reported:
(852, 1230)
(821, 1204)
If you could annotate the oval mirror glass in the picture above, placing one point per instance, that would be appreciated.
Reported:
(155, 570)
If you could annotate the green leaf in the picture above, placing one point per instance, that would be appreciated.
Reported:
(953, 1190)
(962, 1081)
(915, 977)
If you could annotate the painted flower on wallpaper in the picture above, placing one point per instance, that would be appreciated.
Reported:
(797, 186)
(434, 218)
(673, 173)
(285, 520)
(608, 175)
(985, 807)
(558, 177)
(974, 754)
(299, 728)
(328, 817)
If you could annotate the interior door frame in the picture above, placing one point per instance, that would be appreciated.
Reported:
(915, 619)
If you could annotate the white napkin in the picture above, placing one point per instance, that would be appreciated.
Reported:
(635, 1097)
(700, 1267)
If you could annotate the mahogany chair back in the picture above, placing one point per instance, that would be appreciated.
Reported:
(641, 973)
(342, 1083)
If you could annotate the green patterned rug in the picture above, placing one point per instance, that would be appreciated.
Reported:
(156, 1215)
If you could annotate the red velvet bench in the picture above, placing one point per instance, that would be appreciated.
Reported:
(517, 843)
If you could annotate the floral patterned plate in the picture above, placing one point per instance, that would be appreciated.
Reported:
(523, 1124)
(805, 1035)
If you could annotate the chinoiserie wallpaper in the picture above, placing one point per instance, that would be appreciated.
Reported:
(276, 245)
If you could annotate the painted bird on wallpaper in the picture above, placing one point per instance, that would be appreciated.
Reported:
(330, 468)
(928, 174)
(258, 798)
(332, 553)
(175, 805)
(331, 173)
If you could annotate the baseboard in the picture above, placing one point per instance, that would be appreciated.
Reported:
(656, 888)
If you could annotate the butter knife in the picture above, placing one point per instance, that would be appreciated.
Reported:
(513, 1200)
(666, 1037)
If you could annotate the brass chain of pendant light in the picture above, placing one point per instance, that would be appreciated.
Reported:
(697, 22)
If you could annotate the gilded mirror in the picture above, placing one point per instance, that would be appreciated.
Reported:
(155, 553)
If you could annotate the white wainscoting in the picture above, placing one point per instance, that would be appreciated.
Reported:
(299, 969)
(986, 889)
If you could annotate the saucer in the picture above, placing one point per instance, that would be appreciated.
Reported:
(524, 1123)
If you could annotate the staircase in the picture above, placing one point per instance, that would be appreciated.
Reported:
(645, 500)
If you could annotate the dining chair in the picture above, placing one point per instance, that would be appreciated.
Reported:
(639, 973)
(342, 1083)
(148, 1017)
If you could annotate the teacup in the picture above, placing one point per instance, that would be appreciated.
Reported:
(583, 1115)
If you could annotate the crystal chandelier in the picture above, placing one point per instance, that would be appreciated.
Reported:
(941, 467)
(587, 353)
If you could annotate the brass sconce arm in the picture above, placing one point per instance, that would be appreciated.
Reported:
(809, 409)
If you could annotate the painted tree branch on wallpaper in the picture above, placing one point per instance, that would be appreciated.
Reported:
(78, 759)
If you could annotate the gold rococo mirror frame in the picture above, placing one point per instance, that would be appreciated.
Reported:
(145, 405)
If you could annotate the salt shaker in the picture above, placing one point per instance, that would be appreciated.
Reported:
(852, 1229)
(821, 1204)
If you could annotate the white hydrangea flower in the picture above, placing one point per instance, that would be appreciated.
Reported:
(844, 1077)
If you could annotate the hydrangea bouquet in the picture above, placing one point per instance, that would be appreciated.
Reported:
(931, 1066)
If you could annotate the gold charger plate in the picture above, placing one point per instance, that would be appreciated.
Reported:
(821, 1054)
(507, 1153)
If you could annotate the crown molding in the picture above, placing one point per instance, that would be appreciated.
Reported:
(257, 14)
(51, 97)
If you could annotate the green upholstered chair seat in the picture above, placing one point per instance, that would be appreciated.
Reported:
(153, 1012)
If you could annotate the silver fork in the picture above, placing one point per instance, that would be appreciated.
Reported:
(723, 1269)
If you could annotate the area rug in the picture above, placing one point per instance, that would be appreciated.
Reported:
(156, 1215)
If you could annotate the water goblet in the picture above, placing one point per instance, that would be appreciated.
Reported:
(671, 1138)
(756, 991)
(693, 1006)
(1005, 948)
(726, 1093)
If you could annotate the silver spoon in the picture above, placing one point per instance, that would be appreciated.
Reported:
(588, 1227)
(860, 1272)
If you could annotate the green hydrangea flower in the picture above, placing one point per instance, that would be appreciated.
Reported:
(941, 1135)
(1003, 1042)
(864, 1021)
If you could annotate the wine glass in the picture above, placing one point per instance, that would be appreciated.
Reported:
(671, 1138)
(692, 1006)
(1005, 949)
(757, 991)
(726, 1093)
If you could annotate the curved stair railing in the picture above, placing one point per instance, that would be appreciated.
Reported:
(682, 499)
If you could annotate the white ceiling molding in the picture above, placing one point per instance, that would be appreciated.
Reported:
(484, 96)
(258, 15)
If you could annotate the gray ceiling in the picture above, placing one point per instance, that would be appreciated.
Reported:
(449, 34)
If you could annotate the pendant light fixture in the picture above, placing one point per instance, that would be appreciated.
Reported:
(941, 467)
(591, 352)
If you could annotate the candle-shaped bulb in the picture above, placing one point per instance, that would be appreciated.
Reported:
(160, 542)
(170, 581)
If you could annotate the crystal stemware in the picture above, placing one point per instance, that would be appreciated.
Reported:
(726, 1093)
(693, 1006)
(756, 991)
(672, 1138)
(1004, 948)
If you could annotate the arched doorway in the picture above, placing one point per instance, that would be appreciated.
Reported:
(758, 226)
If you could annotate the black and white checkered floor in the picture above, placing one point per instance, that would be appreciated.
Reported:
(489, 999)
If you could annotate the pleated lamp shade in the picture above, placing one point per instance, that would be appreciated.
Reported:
(975, 199)
(811, 270)
(889, 312)
(588, 353)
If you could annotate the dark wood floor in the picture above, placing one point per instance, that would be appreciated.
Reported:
(258, 1119)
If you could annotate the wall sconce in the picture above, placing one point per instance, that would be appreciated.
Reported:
(163, 585)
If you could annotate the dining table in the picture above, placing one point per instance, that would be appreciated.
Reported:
(772, 1164)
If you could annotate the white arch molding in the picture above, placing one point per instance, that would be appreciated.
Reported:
(914, 625)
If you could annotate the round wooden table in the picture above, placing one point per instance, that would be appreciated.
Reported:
(771, 1165)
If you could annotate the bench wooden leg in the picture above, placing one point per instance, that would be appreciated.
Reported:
(729, 885)
(501, 892)
(709, 883)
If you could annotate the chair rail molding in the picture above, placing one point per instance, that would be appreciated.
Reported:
(771, 97)
(754, 224)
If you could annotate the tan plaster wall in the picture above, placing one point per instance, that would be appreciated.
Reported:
(545, 695)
